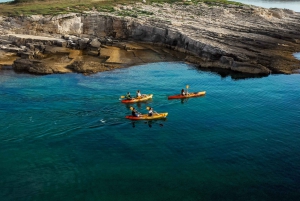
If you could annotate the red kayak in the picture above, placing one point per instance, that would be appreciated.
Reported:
(194, 94)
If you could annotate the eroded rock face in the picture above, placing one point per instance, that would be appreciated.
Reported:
(39, 58)
(240, 38)
(32, 66)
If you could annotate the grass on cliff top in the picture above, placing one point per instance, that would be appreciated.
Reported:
(56, 7)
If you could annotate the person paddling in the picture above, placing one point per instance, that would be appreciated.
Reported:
(128, 96)
(138, 94)
(183, 93)
(150, 112)
(134, 112)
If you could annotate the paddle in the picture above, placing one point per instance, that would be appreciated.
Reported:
(187, 87)
(121, 97)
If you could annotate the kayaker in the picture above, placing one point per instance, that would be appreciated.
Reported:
(150, 112)
(184, 93)
(128, 96)
(134, 112)
(138, 94)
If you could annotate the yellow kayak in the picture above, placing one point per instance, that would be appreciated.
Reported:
(134, 100)
(145, 116)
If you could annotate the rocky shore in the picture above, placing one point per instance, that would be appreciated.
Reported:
(46, 55)
(245, 39)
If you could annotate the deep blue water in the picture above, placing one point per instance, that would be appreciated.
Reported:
(64, 137)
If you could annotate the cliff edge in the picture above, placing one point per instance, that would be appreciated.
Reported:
(241, 38)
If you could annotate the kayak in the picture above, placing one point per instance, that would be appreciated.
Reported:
(194, 94)
(134, 100)
(145, 116)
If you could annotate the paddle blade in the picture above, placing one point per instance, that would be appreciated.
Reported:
(148, 108)
(131, 108)
(187, 86)
(122, 96)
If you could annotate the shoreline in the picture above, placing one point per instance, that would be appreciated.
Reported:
(49, 59)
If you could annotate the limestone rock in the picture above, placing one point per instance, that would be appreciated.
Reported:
(83, 43)
(35, 67)
(95, 43)
(240, 38)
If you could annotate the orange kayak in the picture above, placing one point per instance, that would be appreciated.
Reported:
(195, 94)
(134, 100)
(145, 116)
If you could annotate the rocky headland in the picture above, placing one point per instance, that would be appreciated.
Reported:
(239, 38)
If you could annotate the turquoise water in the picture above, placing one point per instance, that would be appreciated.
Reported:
(64, 137)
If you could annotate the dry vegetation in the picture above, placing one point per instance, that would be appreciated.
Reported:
(56, 7)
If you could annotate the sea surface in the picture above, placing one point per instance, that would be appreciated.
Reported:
(65, 136)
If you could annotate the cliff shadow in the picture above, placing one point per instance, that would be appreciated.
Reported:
(223, 73)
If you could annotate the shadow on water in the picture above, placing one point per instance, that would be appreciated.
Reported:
(184, 100)
(150, 123)
(5, 67)
(229, 73)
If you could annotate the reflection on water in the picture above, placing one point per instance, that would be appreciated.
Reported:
(229, 73)
(288, 4)
(159, 123)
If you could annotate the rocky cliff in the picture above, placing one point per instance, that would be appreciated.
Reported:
(246, 39)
